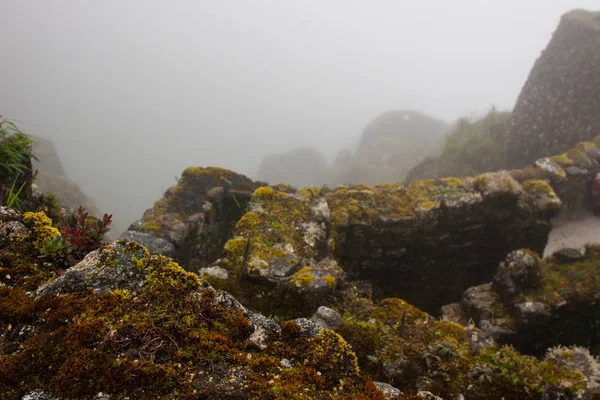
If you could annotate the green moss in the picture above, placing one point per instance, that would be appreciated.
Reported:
(578, 281)
(237, 246)
(538, 186)
(366, 206)
(171, 334)
(439, 353)
(563, 160)
(454, 183)
(15, 304)
(248, 222)
(578, 156)
(309, 192)
(525, 174)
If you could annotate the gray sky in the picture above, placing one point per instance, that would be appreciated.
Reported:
(133, 91)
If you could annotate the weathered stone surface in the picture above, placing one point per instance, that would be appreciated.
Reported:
(559, 104)
(388, 390)
(154, 244)
(520, 271)
(569, 254)
(101, 276)
(327, 318)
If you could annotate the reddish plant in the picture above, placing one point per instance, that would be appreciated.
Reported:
(85, 236)
(81, 236)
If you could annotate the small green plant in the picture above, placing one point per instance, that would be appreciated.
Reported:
(15, 150)
(82, 236)
(12, 198)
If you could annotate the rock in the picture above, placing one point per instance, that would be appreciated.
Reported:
(558, 106)
(214, 272)
(569, 254)
(93, 272)
(520, 271)
(155, 245)
(479, 302)
(194, 219)
(531, 313)
(307, 327)
(388, 390)
(38, 395)
(579, 359)
(327, 318)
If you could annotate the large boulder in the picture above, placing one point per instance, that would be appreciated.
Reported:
(559, 104)
(390, 146)
(303, 166)
(426, 242)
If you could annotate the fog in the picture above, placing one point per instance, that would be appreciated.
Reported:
(131, 92)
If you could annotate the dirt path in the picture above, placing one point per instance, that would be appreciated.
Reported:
(576, 233)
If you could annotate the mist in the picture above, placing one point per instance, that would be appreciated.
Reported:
(132, 92)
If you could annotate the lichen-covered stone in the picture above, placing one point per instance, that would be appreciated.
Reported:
(520, 271)
(154, 244)
(536, 304)
(195, 218)
(126, 324)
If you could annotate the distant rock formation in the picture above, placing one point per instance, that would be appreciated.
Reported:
(303, 166)
(559, 105)
(390, 146)
(48, 160)
(51, 178)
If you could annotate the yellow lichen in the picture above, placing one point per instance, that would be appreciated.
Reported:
(329, 280)
(303, 277)
(264, 193)
(42, 227)
(538, 186)
(248, 221)
(563, 160)
(151, 226)
(214, 172)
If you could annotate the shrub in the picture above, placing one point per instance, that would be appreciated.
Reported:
(81, 236)
(473, 147)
